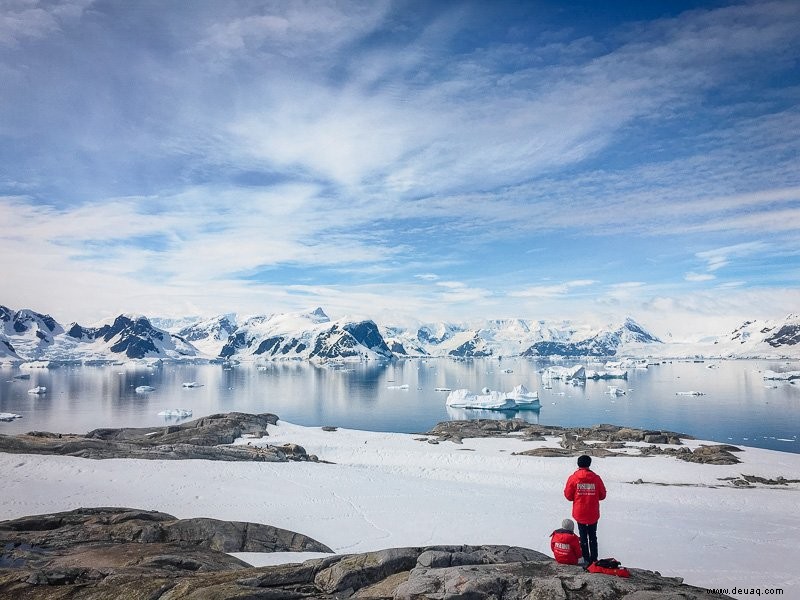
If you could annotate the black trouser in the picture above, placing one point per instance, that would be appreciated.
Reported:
(588, 535)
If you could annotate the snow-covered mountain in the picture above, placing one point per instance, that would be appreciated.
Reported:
(28, 335)
(131, 336)
(514, 337)
(758, 338)
(306, 335)
(209, 336)
(630, 338)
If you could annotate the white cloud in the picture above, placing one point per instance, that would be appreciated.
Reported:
(718, 258)
(697, 277)
(550, 291)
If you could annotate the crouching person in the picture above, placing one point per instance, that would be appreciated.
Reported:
(566, 546)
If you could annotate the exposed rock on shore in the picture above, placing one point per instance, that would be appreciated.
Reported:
(101, 554)
(599, 440)
(204, 438)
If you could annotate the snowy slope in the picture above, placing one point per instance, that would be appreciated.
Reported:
(209, 336)
(752, 339)
(514, 337)
(129, 336)
(30, 336)
(30, 333)
(306, 335)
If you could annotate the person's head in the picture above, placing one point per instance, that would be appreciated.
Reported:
(568, 524)
(584, 461)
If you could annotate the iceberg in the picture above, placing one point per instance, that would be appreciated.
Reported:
(192, 384)
(21, 377)
(615, 391)
(39, 389)
(176, 412)
(464, 398)
(397, 387)
(690, 393)
(9, 416)
(442, 389)
(143, 389)
(564, 373)
(523, 398)
(610, 374)
(517, 399)
(785, 376)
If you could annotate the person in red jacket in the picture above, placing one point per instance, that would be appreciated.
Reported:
(565, 544)
(585, 490)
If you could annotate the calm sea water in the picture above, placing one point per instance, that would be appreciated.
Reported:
(738, 405)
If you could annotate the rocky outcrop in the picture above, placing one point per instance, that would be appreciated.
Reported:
(126, 553)
(435, 572)
(204, 438)
(598, 440)
(572, 437)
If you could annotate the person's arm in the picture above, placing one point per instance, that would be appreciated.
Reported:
(569, 489)
(601, 489)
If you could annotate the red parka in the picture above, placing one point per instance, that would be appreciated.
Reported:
(566, 546)
(585, 489)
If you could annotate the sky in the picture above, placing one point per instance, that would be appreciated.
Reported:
(402, 160)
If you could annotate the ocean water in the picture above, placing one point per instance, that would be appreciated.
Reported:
(738, 406)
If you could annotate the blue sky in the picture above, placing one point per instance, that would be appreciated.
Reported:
(402, 160)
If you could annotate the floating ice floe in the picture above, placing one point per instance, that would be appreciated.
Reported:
(577, 372)
(785, 376)
(143, 389)
(690, 393)
(192, 384)
(507, 371)
(516, 399)
(9, 416)
(176, 412)
(21, 377)
(615, 391)
(609, 374)
(397, 387)
(442, 389)
(522, 397)
(39, 389)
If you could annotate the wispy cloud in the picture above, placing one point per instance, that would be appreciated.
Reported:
(297, 151)
(697, 277)
(550, 291)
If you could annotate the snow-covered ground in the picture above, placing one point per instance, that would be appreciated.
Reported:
(388, 490)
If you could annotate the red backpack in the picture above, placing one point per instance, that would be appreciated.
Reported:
(609, 566)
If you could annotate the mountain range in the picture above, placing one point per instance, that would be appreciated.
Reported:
(26, 335)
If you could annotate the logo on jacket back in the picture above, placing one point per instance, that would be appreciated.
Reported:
(562, 546)
(586, 489)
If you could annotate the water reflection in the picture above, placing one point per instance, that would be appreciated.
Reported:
(529, 415)
(737, 406)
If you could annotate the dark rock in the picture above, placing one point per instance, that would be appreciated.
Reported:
(598, 440)
(205, 438)
(435, 572)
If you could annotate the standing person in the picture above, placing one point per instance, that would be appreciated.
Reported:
(585, 490)
(565, 544)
